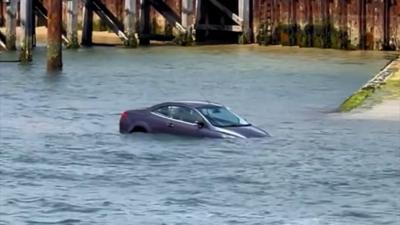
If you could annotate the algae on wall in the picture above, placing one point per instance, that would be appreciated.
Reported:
(320, 36)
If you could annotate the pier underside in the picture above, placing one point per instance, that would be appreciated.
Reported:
(341, 24)
(218, 21)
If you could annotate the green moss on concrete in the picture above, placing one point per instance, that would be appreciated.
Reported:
(356, 99)
(376, 90)
(243, 39)
(185, 39)
(132, 41)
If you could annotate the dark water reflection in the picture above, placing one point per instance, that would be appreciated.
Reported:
(62, 160)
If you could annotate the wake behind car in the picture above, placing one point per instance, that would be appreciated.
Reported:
(192, 118)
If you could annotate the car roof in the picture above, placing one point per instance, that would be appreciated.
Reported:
(194, 104)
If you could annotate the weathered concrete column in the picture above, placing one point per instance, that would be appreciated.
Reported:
(72, 23)
(54, 32)
(26, 12)
(186, 14)
(186, 10)
(11, 24)
(130, 24)
(87, 24)
(244, 14)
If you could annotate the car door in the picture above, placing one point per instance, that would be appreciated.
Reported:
(184, 121)
(161, 121)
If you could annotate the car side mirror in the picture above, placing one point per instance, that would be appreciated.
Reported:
(200, 124)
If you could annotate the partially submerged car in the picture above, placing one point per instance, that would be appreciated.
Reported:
(193, 118)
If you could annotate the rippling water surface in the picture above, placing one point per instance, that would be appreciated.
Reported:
(62, 160)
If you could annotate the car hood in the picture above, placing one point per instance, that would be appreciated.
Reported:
(243, 132)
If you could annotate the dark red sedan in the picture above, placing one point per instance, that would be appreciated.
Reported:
(193, 118)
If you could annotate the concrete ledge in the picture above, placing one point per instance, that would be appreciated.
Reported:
(387, 81)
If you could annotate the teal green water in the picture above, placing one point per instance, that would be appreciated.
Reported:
(62, 160)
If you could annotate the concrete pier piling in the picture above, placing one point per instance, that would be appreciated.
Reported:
(26, 14)
(187, 21)
(54, 39)
(339, 24)
(72, 23)
(130, 24)
(11, 24)
(244, 15)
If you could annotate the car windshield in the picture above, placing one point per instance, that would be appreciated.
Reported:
(221, 117)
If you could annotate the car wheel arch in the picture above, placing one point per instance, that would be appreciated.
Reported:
(139, 127)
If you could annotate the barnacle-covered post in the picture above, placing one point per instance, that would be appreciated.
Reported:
(130, 23)
(54, 31)
(187, 21)
(26, 14)
(244, 14)
(72, 23)
(11, 24)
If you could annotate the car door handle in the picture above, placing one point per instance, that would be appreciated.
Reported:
(171, 125)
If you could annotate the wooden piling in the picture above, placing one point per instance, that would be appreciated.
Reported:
(11, 24)
(130, 24)
(244, 14)
(386, 25)
(54, 32)
(309, 30)
(293, 22)
(144, 21)
(326, 23)
(197, 11)
(1, 13)
(33, 27)
(72, 23)
(362, 13)
(87, 24)
(26, 12)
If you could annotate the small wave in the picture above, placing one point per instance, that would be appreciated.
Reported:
(357, 214)
(66, 207)
(59, 222)
(191, 202)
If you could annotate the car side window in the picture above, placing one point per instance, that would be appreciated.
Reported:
(185, 114)
(165, 111)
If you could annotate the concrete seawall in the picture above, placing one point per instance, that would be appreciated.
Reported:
(383, 87)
